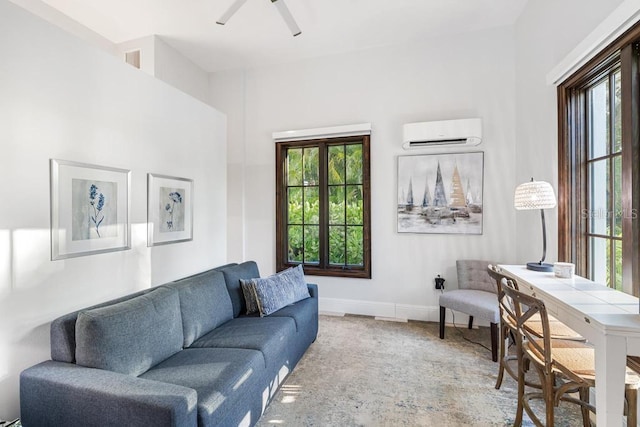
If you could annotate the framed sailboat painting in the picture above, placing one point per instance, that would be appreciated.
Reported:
(440, 193)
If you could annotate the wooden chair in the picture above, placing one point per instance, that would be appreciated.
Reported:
(558, 330)
(563, 366)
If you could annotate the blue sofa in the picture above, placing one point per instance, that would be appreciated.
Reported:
(180, 354)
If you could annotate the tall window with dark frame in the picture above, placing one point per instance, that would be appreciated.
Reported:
(604, 172)
(323, 204)
(599, 186)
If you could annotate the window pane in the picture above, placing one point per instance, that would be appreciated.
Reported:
(311, 166)
(311, 205)
(294, 237)
(336, 205)
(618, 265)
(294, 167)
(354, 164)
(598, 119)
(617, 196)
(599, 257)
(354, 205)
(295, 206)
(617, 119)
(599, 209)
(355, 244)
(311, 244)
(336, 166)
(336, 245)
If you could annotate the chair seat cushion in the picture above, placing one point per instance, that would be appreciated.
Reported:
(222, 378)
(479, 304)
(578, 357)
(556, 327)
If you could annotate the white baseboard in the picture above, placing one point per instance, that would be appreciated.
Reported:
(366, 308)
(331, 313)
(391, 319)
(391, 311)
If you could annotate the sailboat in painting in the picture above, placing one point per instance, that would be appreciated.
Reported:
(426, 197)
(409, 202)
(471, 200)
(458, 202)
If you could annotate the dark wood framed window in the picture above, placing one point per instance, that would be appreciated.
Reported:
(598, 166)
(323, 218)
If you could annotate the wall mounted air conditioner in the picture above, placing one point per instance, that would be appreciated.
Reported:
(455, 133)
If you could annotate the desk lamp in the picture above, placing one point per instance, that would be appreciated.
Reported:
(536, 195)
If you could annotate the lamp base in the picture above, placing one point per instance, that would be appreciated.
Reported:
(537, 266)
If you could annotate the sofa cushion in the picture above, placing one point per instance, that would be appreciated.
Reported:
(225, 379)
(280, 290)
(131, 336)
(268, 335)
(63, 329)
(305, 315)
(232, 276)
(204, 303)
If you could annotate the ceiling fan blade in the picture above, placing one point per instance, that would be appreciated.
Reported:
(288, 18)
(229, 13)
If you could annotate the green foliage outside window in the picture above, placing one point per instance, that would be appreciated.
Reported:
(345, 206)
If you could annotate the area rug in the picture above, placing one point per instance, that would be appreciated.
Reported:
(367, 372)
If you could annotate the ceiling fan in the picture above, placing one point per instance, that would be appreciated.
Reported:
(282, 8)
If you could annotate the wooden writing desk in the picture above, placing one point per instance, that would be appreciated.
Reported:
(609, 319)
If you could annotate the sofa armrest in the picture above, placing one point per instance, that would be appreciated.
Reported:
(58, 393)
(313, 290)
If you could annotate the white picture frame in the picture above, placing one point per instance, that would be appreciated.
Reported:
(169, 209)
(90, 209)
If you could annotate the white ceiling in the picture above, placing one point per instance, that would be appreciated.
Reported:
(257, 35)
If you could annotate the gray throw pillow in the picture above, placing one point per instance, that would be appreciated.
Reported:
(281, 289)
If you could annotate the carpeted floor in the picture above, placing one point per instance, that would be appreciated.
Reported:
(367, 372)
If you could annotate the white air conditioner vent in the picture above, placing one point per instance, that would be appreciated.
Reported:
(459, 133)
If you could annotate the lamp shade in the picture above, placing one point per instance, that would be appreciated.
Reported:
(534, 195)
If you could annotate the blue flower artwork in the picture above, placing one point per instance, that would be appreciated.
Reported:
(94, 209)
(97, 216)
(172, 209)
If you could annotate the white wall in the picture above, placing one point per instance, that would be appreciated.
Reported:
(63, 99)
(54, 16)
(546, 31)
(180, 72)
(162, 61)
(471, 75)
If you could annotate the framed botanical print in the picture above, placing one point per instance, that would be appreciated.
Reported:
(89, 209)
(169, 209)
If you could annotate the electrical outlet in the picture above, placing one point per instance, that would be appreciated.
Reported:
(439, 282)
